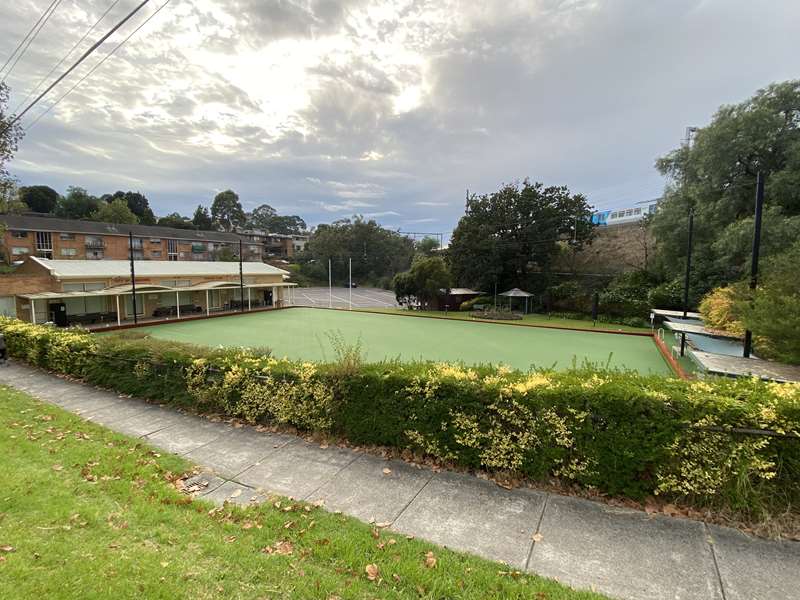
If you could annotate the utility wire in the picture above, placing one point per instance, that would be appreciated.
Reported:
(79, 61)
(27, 35)
(36, 30)
(66, 56)
(97, 66)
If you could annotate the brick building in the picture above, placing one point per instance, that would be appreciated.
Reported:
(100, 292)
(66, 239)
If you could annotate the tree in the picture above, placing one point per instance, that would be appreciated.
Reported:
(376, 252)
(39, 198)
(202, 218)
(261, 217)
(511, 237)
(9, 138)
(77, 204)
(138, 204)
(116, 211)
(175, 220)
(427, 246)
(423, 282)
(717, 178)
(266, 218)
(773, 312)
(226, 211)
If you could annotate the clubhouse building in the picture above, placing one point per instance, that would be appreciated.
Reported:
(100, 293)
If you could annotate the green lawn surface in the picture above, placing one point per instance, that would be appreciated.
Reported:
(304, 333)
(86, 513)
(534, 320)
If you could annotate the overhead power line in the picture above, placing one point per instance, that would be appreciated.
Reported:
(30, 37)
(83, 57)
(66, 56)
(97, 66)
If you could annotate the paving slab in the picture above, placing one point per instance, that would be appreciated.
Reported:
(363, 490)
(298, 470)
(186, 433)
(237, 450)
(624, 553)
(476, 516)
(125, 409)
(148, 422)
(756, 569)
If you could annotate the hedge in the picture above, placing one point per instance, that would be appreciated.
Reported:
(617, 432)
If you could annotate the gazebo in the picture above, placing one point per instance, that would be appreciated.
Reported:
(517, 293)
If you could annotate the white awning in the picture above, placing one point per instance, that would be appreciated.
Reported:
(126, 290)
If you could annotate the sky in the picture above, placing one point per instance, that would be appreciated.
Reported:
(389, 109)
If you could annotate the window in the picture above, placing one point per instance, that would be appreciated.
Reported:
(135, 243)
(19, 235)
(137, 254)
(94, 241)
(155, 240)
(18, 250)
(172, 249)
(69, 252)
(155, 253)
(94, 255)
(255, 248)
(175, 283)
(139, 304)
(44, 244)
(637, 211)
(66, 236)
(89, 286)
(628, 212)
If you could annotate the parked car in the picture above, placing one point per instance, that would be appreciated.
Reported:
(351, 285)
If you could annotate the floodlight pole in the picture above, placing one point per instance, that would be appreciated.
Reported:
(133, 277)
(241, 279)
(687, 276)
(330, 285)
(748, 335)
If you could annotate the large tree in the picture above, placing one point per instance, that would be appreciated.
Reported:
(116, 211)
(716, 178)
(77, 204)
(138, 204)
(267, 218)
(39, 198)
(375, 252)
(423, 282)
(227, 212)
(511, 237)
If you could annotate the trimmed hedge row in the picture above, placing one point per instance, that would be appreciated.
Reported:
(618, 432)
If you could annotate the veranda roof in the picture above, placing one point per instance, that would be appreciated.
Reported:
(124, 290)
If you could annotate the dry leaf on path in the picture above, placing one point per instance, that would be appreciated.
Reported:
(387, 471)
(537, 537)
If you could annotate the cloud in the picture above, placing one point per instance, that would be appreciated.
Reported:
(329, 107)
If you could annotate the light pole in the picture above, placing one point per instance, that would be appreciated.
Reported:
(689, 132)
(748, 335)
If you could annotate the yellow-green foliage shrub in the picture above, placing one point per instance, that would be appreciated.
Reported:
(718, 309)
(618, 432)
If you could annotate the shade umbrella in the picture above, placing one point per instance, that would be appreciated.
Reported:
(518, 293)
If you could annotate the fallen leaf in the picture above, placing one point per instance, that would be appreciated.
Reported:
(387, 471)
(392, 541)
(236, 493)
(430, 560)
(7, 548)
(537, 537)
(58, 468)
(284, 548)
(164, 564)
(373, 572)
(230, 539)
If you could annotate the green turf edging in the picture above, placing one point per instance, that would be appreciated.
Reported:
(618, 432)
(87, 513)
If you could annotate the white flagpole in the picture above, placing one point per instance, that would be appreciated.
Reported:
(351, 283)
(330, 285)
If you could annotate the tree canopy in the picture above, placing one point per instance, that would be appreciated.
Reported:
(175, 220)
(39, 198)
(138, 204)
(511, 236)
(423, 282)
(77, 204)
(116, 211)
(202, 218)
(267, 218)
(376, 252)
(9, 138)
(717, 178)
(227, 212)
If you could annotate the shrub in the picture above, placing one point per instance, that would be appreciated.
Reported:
(468, 305)
(667, 295)
(717, 309)
(618, 432)
(627, 295)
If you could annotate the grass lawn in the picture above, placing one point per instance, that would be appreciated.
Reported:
(86, 513)
(536, 320)
(304, 333)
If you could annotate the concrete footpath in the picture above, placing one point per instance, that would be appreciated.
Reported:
(620, 552)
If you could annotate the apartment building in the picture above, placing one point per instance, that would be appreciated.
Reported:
(54, 238)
